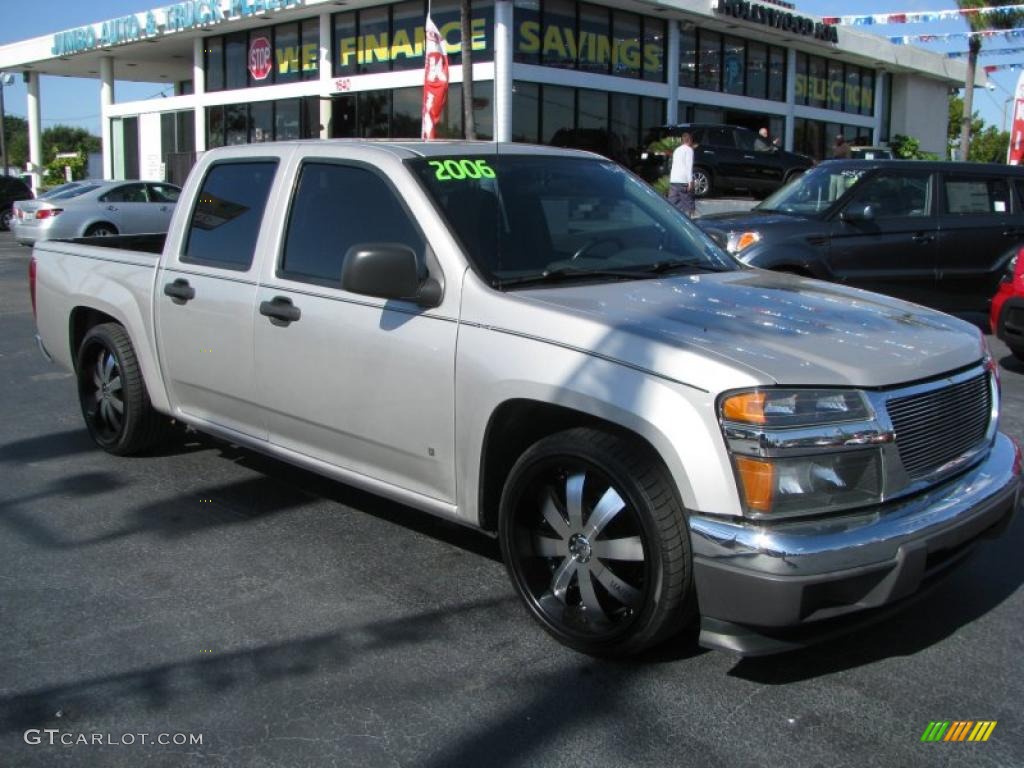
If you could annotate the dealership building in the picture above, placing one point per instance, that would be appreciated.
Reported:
(550, 71)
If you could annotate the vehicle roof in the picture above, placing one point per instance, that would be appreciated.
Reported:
(927, 165)
(406, 149)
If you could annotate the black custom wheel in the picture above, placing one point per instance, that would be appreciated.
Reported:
(596, 543)
(112, 393)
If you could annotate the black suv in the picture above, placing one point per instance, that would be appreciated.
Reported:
(11, 190)
(726, 158)
(935, 233)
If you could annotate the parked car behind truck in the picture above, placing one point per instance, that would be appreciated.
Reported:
(939, 234)
(532, 342)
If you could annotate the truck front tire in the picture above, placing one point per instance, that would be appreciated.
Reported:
(115, 404)
(596, 542)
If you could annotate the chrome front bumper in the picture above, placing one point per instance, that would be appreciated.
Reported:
(754, 576)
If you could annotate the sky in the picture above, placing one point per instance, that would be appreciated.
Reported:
(75, 101)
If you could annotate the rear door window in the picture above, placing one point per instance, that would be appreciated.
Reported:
(973, 195)
(226, 220)
(127, 193)
(720, 137)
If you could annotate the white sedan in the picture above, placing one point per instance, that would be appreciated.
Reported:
(97, 208)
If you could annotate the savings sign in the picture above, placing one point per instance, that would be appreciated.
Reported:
(260, 57)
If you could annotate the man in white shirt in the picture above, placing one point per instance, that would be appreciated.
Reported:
(680, 180)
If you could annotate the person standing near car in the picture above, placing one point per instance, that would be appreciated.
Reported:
(841, 150)
(680, 180)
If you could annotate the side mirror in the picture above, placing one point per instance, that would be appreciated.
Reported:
(388, 271)
(857, 213)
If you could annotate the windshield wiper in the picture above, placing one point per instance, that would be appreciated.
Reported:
(661, 267)
(571, 273)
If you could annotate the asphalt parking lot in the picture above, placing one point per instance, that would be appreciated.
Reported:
(291, 621)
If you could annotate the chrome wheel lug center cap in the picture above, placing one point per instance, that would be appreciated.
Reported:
(579, 548)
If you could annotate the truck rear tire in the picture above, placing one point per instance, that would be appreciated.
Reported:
(596, 543)
(115, 403)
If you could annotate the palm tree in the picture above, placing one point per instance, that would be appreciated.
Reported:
(977, 22)
(466, 14)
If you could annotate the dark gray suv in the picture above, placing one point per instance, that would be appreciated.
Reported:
(935, 233)
(726, 158)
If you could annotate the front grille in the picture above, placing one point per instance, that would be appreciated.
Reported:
(935, 427)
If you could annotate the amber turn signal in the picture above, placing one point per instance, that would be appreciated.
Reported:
(746, 407)
(757, 479)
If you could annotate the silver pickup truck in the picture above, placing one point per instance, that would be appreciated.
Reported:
(532, 342)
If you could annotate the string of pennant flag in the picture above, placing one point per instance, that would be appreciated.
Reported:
(1006, 34)
(987, 52)
(918, 17)
(989, 69)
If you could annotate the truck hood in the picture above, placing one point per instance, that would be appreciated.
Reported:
(779, 328)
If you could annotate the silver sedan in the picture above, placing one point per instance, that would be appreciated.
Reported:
(95, 208)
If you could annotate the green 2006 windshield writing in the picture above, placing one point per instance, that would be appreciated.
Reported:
(456, 170)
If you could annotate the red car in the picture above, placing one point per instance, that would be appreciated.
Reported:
(1007, 313)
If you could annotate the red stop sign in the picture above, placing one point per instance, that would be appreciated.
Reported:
(260, 57)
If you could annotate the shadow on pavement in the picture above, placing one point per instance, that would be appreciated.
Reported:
(158, 687)
(993, 573)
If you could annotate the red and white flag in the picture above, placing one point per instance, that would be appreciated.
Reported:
(1015, 152)
(435, 79)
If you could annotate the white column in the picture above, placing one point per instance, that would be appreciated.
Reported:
(326, 70)
(106, 100)
(198, 89)
(790, 98)
(35, 132)
(880, 97)
(503, 70)
(672, 67)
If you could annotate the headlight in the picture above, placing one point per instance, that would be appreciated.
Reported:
(795, 407)
(803, 451)
(740, 241)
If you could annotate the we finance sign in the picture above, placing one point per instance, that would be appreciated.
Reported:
(165, 20)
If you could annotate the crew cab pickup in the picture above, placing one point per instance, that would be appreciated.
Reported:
(532, 342)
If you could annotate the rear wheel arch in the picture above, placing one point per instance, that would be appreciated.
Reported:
(97, 226)
(516, 425)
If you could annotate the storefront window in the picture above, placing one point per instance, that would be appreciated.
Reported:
(373, 40)
(309, 57)
(757, 69)
(733, 69)
(407, 33)
(214, 127)
(655, 43)
(592, 109)
(776, 74)
(594, 26)
(236, 124)
(527, 31)
(688, 57)
(345, 39)
(406, 114)
(525, 112)
(626, 46)
(851, 95)
(709, 63)
(558, 108)
(287, 54)
(867, 92)
(261, 122)
(253, 53)
(287, 120)
(235, 65)
(817, 82)
(559, 24)
(836, 84)
(214, 65)
(624, 123)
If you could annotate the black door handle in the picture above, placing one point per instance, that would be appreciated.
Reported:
(180, 291)
(922, 238)
(281, 311)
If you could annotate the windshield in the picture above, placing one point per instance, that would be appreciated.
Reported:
(813, 192)
(524, 216)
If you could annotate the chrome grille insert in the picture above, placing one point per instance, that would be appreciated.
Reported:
(939, 425)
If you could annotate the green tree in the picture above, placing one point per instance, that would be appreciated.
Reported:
(55, 169)
(977, 22)
(68, 138)
(988, 143)
(16, 138)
